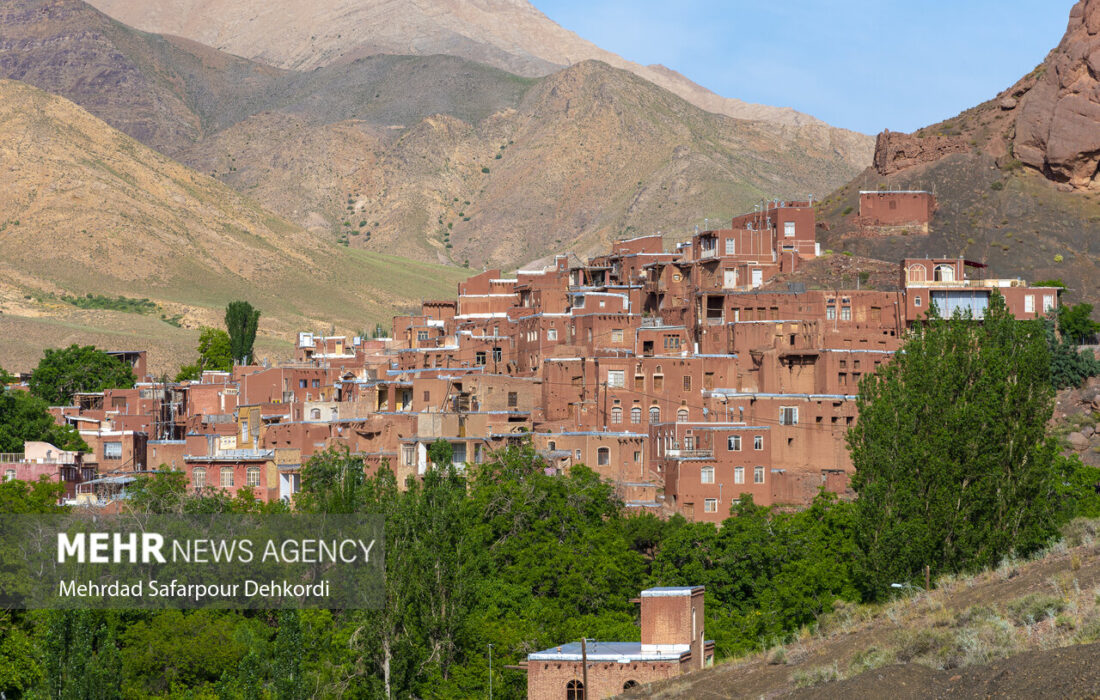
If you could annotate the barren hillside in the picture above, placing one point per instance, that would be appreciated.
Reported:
(442, 158)
(86, 209)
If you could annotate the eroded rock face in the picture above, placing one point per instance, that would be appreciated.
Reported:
(1058, 127)
(896, 151)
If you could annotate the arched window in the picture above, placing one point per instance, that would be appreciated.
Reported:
(945, 273)
(198, 477)
(630, 684)
(654, 414)
(227, 477)
(917, 273)
(315, 414)
(252, 476)
(617, 414)
(603, 456)
(636, 415)
(682, 416)
(574, 690)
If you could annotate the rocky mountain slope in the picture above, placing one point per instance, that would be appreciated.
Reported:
(509, 34)
(444, 159)
(85, 209)
(1015, 177)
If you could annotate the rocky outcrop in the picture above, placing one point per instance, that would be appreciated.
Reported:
(896, 151)
(1058, 126)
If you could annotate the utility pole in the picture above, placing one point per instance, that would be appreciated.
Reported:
(584, 665)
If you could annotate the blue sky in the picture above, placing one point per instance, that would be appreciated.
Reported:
(858, 64)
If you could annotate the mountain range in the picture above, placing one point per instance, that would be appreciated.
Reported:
(444, 158)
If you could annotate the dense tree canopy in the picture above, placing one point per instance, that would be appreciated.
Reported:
(67, 371)
(954, 468)
(24, 417)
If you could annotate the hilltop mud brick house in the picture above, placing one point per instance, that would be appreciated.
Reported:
(685, 375)
(672, 643)
(892, 212)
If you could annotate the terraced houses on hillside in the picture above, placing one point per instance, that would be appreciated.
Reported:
(686, 376)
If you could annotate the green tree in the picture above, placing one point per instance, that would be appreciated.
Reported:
(66, 371)
(241, 321)
(288, 657)
(954, 468)
(1075, 322)
(441, 454)
(215, 353)
(1070, 366)
(24, 417)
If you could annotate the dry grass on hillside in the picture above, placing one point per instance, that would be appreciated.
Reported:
(1048, 603)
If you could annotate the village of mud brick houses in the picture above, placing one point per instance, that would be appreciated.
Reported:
(685, 378)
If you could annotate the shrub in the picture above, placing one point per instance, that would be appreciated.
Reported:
(1058, 258)
(1033, 608)
(815, 676)
(485, 170)
(847, 211)
(997, 186)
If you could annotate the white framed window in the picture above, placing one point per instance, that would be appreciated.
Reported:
(252, 476)
(788, 415)
(636, 415)
(227, 477)
(706, 475)
(198, 477)
(738, 475)
(9, 475)
(408, 454)
(654, 414)
(758, 442)
(1029, 304)
(830, 312)
(617, 335)
(733, 443)
(731, 246)
(758, 475)
(551, 333)
(788, 229)
(710, 505)
(845, 313)
(1048, 303)
(112, 450)
(603, 456)
(917, 301)
(616, 378)
(479, 357)
(577, 455)
(617, 414)
(682, 415)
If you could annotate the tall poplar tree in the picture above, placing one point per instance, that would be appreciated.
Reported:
(954, 468)
(241, 321)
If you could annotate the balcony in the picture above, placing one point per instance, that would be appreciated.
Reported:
(689, 454)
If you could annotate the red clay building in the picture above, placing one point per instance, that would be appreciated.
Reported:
(672, 643)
